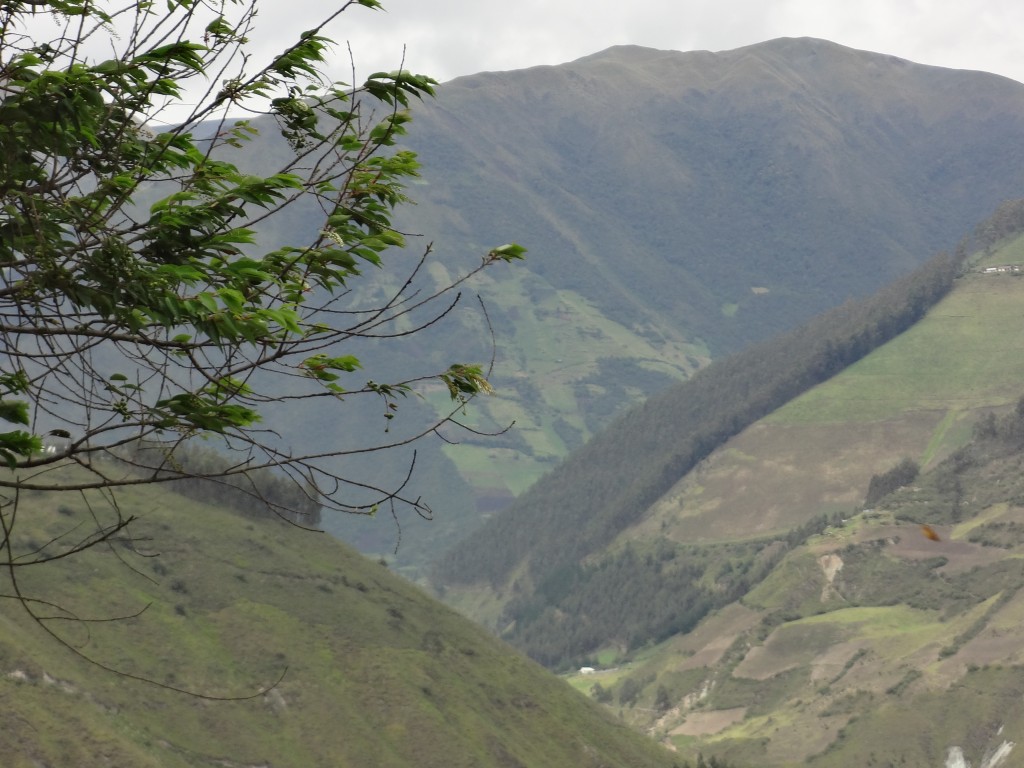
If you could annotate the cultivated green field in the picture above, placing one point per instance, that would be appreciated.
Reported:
(916, 397)
(868, 643)
(967, 353)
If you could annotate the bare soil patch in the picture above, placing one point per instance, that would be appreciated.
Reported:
(830, 665)
(775, 476)
(713, 637)
(907, 541)
(707, 723)
(788, 647)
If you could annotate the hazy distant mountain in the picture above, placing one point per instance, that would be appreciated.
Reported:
(678, 206)
(669, 187)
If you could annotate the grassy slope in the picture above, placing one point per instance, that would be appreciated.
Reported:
(870, 644)
(915, 397)
(375, 673)
(552, 346)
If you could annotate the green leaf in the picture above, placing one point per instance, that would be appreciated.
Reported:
(320, 367)
(15, 411)
(18, 443)
(465, 380)
(14, 382)
(233, 299)
(208, 301)
(507, 252)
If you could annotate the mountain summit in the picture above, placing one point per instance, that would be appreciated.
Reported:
(671, 185)
(678, 207)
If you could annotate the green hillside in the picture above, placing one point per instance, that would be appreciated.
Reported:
(344, 664)
(915, 397)
(858, 640)
(870, 643)
(554, 551)
(680, 508)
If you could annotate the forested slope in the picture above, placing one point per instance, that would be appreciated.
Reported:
(612, 480)
(546, 556)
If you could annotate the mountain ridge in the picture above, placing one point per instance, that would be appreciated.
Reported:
(678, 206)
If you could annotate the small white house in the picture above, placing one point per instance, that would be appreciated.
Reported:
(587, 670)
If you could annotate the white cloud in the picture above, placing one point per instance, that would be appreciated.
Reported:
(448, 38)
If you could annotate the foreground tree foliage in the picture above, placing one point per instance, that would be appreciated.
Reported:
(138, 303)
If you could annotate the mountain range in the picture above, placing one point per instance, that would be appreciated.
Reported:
(763, 481)
(677, 207)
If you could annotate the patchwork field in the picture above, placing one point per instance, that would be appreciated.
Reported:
(873, 641)
(916, 397)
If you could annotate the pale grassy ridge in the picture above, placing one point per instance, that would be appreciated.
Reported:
(968, 352)
(995, 512)
(916, 397)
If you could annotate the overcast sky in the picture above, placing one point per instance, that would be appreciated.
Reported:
(449, 38)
